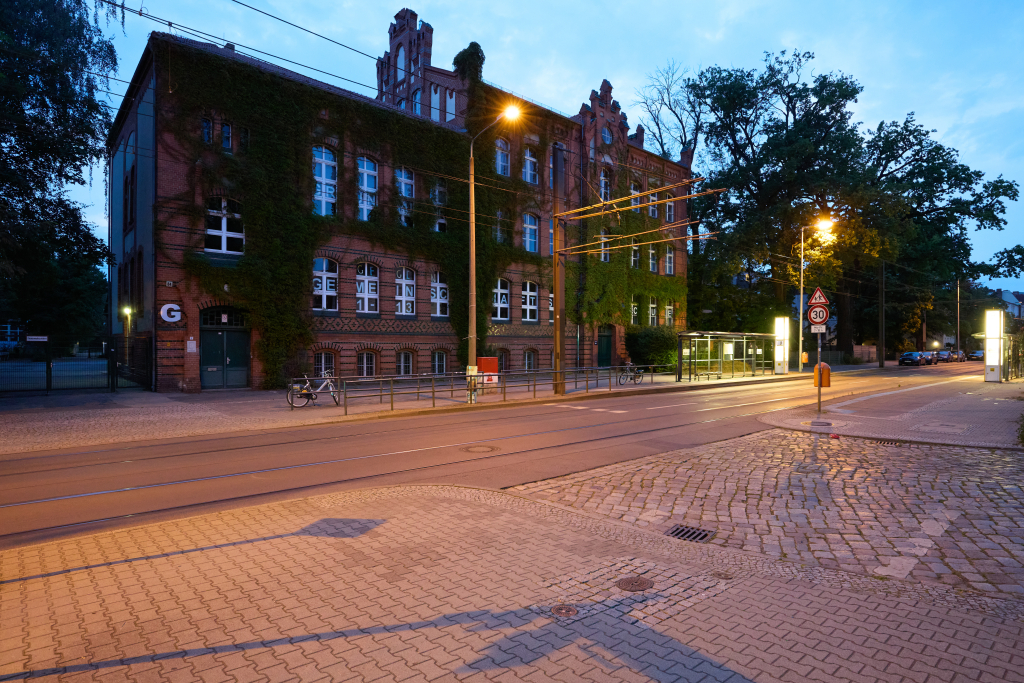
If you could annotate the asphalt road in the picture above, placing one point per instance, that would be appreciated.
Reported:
(48, 494)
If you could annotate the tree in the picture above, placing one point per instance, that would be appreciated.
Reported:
(54, 63)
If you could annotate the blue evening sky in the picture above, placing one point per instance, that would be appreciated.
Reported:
(958, 65)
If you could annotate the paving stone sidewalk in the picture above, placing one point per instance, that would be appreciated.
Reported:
(456, 584)
(932, 514)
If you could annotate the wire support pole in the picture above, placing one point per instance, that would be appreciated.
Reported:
(800, 316)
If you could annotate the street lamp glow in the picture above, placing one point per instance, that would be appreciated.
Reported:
(825, 224)
(127, 311)
(511, 112)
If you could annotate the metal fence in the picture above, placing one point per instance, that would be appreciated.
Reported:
(55, 365)
(516, 384)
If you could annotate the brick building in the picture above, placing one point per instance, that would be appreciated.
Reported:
(372, 310)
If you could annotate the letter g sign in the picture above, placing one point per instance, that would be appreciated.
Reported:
(171, 312)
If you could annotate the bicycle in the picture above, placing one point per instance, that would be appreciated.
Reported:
(299, 395)
(631, 373)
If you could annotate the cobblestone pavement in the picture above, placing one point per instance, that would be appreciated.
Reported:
(932, 514)
(980, 414)
(448, 583)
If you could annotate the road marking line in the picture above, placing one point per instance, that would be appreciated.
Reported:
(674, 405)
(618, 411)
(740, 405)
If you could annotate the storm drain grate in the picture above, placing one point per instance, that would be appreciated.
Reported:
(690, 533)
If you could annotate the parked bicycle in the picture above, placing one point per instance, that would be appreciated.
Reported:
(299, 395)
(631, 373)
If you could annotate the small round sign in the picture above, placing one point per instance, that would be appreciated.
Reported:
(817, 315)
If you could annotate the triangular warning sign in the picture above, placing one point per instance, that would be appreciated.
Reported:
(817, 298)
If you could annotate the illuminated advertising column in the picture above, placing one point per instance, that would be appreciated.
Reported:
(994, 346)
(782, 346)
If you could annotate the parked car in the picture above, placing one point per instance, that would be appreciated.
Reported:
(913, 358)
(944, 357)
(959, 356)
(976, 355)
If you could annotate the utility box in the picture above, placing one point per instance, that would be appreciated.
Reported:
(488, 368)
(781, 346)
(826, 375)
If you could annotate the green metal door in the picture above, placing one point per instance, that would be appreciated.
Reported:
(211, 356)
(604, 346)
(236, 358)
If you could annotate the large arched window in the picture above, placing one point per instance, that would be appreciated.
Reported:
(438, 295)
(606, 135)
(325, 284)
(501, 161)
(130, 186)
(400, 64)
(606, 254)
(366, 364)
(606, 186)
(367, 288)
(224, 232)
(416, 97)
(500, 308)
(325, 173)
(367, 187)
(435, 102)
(323, 364)
(530, 173)
(530, 229)
(405, 291)
(530, 294)
(405, 182)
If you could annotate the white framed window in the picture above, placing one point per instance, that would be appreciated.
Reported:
(652, 211)
(504, 364)
(551, 309)
(367, 288)
(405, 181)
(634, 258)
(530, 242)
(439, 197)
(606, 254)
(529, 359)
(405, 291)
(652, 258)
(224, 231)
(416, 97)
(207, 131)
(670, 212)
(606, 135)
(635, 310)
(403, 363)
(323, 364)
(670, 261)
(634, 189)
(670, 315)
(500, 307)
(225, 137)
(400, 64)
(325, 284)
(501, 231)
(530, 309)
(551, 236)
(501, 160)
(652, 312)
(366, 364)
(593, 149)
(438, 362)
(438, 295)
(530, 166)
(449, 107)
(367, 187)
(606, 186)
(325, 173)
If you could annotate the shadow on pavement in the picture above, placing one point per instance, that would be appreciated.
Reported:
(605, 636)
(324, 528)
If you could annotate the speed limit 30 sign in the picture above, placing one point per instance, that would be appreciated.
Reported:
(818, 315)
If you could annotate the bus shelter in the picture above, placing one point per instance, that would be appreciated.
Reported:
(724, 354)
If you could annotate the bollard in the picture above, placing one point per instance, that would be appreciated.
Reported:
(433, 396)
(344, 392)
(586, 380)
(392, 393)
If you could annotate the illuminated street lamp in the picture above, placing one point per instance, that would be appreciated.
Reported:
(824, 227)
(511, 113)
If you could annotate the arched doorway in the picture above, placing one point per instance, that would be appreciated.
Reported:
(605, 335)
(223, 349)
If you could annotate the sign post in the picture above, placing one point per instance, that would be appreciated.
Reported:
(818, 315)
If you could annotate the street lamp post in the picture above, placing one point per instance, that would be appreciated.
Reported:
(824, 225)
(511, 113)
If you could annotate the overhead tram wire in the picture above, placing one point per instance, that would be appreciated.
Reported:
(608, 238)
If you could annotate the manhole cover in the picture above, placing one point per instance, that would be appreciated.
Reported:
(563, 611)
(819, 423)
(724, 576)
(634, 584)
(478, 449)
(690, 533)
